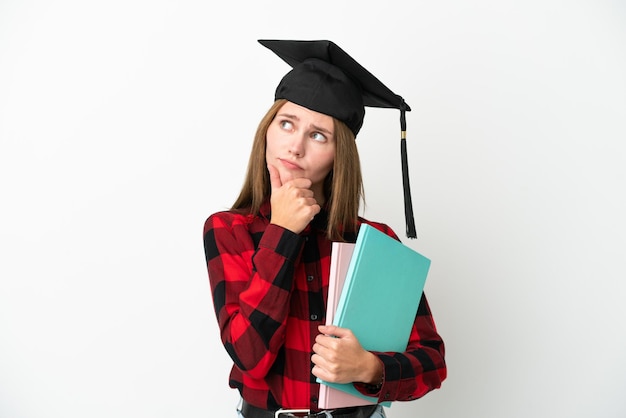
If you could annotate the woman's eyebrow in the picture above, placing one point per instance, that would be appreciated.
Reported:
(289, 116)
(297, 119)
(321, 129)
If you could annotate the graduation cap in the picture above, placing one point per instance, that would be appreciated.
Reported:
(326, 79)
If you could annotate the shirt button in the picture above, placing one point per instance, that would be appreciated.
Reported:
(313, 317)
(309, 278)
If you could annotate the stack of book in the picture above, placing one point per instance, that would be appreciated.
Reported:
(375, 287)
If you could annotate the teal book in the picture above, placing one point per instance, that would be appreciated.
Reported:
(380, 295)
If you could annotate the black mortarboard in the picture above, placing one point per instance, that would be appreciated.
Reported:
(326, 79)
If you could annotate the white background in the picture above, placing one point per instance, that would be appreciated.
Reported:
(125, 123)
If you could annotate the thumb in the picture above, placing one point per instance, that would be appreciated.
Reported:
(275, 181)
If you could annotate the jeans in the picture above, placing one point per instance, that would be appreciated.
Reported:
(378, 413)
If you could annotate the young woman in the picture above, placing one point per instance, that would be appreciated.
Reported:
(268, 257)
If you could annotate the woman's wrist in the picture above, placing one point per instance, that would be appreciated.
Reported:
(374, 371)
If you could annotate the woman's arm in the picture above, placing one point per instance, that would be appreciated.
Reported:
(339, 357)
(251, 287)
(393, 376)
(421, 368)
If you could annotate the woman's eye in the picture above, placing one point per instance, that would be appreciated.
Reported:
(287, 125)
(318, 137)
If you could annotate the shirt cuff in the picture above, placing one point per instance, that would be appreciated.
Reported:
(388, 390)
(282, 241)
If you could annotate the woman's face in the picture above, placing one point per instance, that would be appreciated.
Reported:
(301, 143)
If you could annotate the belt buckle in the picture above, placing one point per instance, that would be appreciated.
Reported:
(290, 412)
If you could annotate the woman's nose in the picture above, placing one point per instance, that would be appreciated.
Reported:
(296, 147)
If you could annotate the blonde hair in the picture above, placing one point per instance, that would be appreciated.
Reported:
(343, 186)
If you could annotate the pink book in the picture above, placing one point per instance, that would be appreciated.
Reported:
(341, 253)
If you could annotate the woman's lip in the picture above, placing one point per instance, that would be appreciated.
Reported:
(290, 165)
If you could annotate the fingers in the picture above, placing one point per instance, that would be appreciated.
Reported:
(298, 188)
(293, 202)
(323, 344)
(329, 362)
(335, 331)
(331, 345)
(322, 369)
(298, 200)
(339, 357)
(275, 181)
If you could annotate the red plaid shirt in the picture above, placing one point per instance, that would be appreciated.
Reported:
(269, 290)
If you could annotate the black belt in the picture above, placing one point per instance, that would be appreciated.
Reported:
(251, 411)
